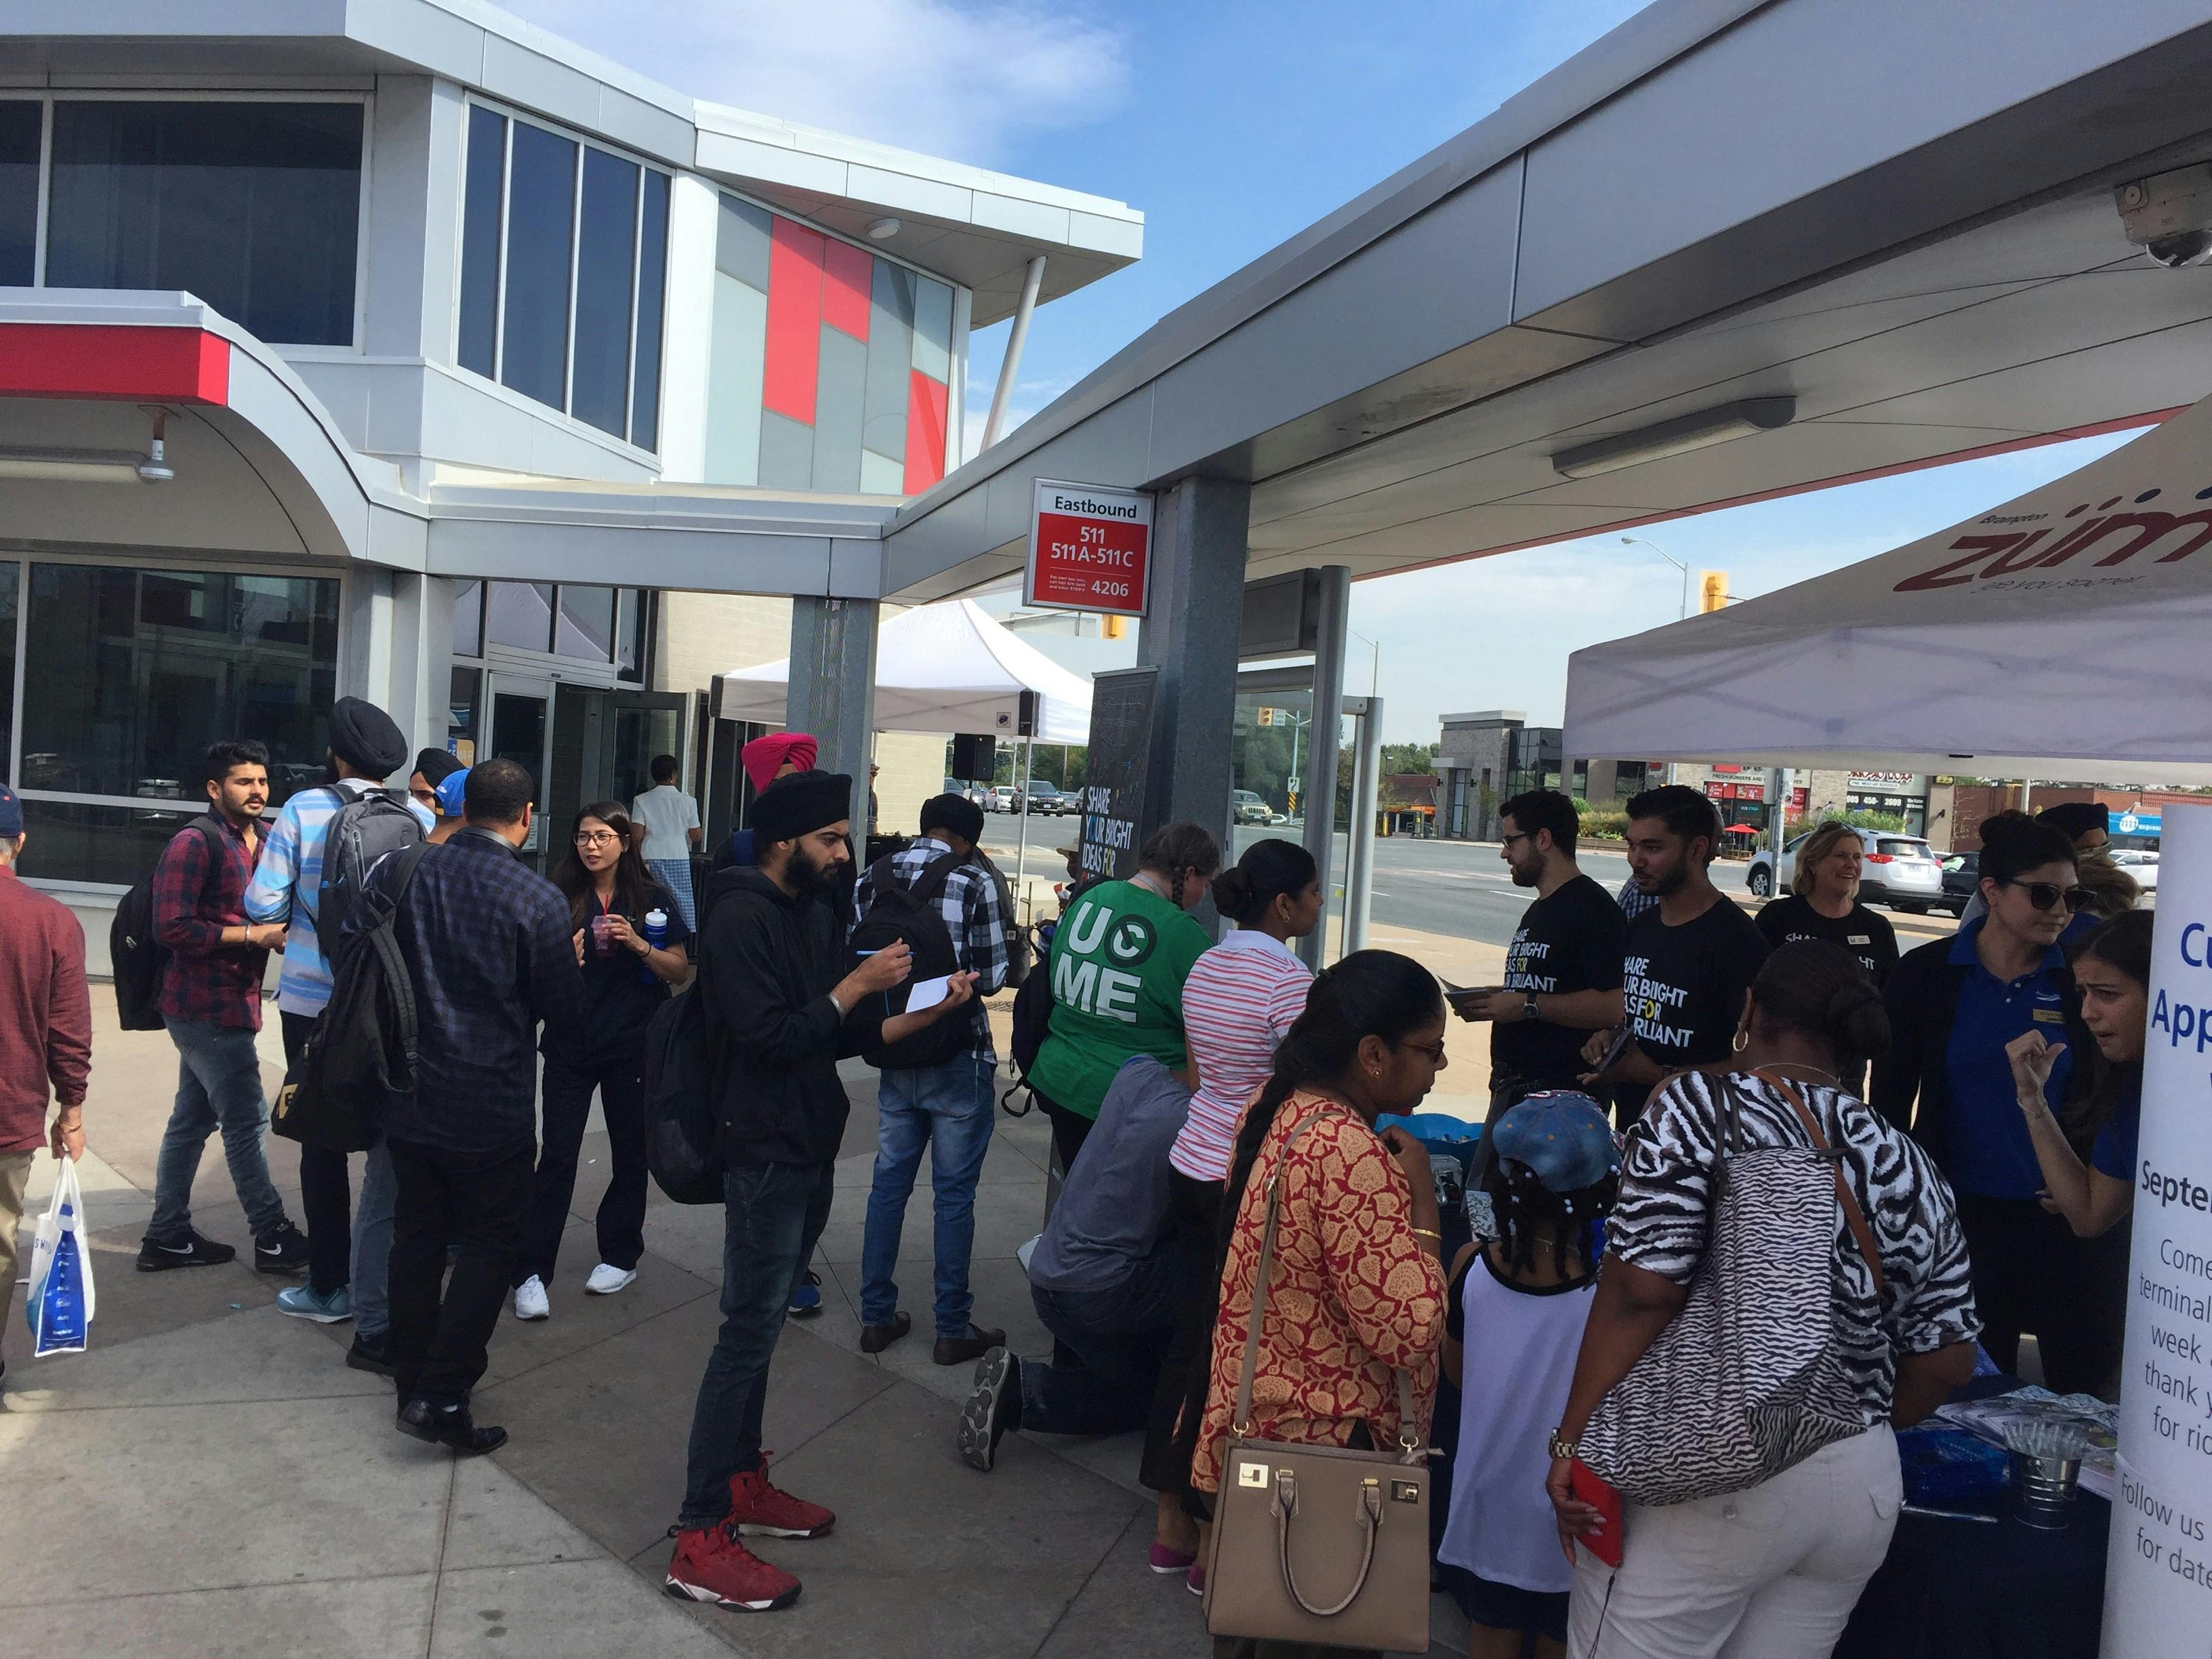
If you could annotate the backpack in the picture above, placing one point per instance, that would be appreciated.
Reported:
(1016, 936)
(363, 1050)
(682, 1126)
(138, 960)
(909, 916)
(364, 831)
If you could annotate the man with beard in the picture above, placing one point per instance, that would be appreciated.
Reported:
(782, 1011)
(1687, 961)
(1563, 969)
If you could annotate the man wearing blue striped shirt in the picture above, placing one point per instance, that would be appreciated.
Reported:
(346, 1272)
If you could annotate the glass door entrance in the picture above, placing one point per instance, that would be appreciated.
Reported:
(521, 720)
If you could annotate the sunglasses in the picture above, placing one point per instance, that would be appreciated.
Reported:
(2045, 895)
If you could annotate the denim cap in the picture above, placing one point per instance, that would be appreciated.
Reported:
(452, 790)
(1561, 1135)
(11, 814)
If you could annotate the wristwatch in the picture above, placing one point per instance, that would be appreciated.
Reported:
(1561, 1446)
(1528, 1007)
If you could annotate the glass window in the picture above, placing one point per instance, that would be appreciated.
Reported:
(253, 207)
(606, 255)
(468, 619)
(19, 192)
(586, 624)
(71, 841)
(632, 614)
(10, 577)
(140, 671)
(461, 705)
(652, 279)
(521, 615)
(478, 347)
(541, 218)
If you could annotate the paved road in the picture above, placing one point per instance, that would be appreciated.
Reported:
(1459, 889)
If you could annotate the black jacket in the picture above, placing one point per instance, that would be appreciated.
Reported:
(1921, 995)
(770, 962)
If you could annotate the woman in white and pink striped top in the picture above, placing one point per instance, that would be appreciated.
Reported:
(1241, 997)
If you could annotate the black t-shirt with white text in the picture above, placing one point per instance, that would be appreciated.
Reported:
(1570, 941)
(1683, 987)
(1864, 934)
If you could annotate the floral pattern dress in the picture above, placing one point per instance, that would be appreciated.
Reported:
(1352, 1297)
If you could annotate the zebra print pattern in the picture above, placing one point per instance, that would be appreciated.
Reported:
(1785, 1346)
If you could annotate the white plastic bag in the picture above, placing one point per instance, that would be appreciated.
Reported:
(59, 1307)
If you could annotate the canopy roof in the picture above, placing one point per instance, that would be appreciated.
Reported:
(2067, 635)
(942, 668)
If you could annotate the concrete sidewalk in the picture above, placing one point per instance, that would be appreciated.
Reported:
(211, 1480)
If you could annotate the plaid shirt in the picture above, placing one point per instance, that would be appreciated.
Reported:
(207, 981)
(970, 904)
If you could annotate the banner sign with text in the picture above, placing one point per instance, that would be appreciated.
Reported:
(1117, 770)
(2158, 1594)
(1091, 549)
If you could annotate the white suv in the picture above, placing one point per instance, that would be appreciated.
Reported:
(1900, 870)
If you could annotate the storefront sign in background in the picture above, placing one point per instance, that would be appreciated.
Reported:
(2158, 1594)
(1090, 549)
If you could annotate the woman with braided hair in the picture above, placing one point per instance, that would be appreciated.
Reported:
(1118, 961)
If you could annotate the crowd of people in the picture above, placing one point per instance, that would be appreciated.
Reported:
(1227, 1130)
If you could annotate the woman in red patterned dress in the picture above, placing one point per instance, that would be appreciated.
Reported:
(1357, 1291)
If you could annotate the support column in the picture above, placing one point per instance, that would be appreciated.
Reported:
(399, 629)
(1191, 632)
(1317, 788)
(1359, 854)
(831, 695)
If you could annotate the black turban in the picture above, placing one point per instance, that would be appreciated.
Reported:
(366, 738)
(954, 812)
(800, 803)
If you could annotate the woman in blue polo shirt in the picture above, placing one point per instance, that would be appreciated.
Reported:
(1956, 1005)
(2112, 971)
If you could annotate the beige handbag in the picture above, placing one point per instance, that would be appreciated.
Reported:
(1318, 1544)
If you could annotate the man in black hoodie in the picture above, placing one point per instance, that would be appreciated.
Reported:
(784, 1011)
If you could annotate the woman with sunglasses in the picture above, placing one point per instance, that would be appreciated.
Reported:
(1956, 1005)
(613, 906)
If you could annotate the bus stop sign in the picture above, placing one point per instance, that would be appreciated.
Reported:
(1090, 549)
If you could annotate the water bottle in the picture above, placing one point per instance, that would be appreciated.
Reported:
(656, 935)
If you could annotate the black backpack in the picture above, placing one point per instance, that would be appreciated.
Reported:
(137, 959)
(909, 916)
(362, 1050)
(361, 834)
(682, 1120)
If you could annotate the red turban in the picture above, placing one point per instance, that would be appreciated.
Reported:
(764, 757)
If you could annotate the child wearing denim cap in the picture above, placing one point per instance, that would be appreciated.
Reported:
(1518, 1304)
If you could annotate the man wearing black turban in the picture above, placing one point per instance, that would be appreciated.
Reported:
(784, 1009)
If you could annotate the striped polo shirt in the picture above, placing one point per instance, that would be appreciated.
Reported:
(1237, 1003)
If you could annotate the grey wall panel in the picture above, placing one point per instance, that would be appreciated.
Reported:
(933, 329)
(882, 475)
(733, 382)
(540, 83)
(645, 127)
(741, 242)
(401, 228)
(891, 360)
(841, 383)
(786, 453)
(1743, 126)
(695, 560)
(464, 421)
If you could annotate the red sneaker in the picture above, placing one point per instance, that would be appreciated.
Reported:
(758, 1510)
(711, 1565)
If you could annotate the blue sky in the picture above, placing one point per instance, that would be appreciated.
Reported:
(1232, 125)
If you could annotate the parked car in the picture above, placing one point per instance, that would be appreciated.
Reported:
(1900, 871)
(2141, 863)
(1962, 877)
(1004, 797)
(1251, 809)
(1046, 801)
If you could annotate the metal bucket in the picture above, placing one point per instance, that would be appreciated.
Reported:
(2047, 1485)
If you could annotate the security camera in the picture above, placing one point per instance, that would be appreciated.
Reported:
(2169, 215)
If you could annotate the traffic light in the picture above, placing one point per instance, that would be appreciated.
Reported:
(1113, 627)
(1264, 716)
(1712, 591)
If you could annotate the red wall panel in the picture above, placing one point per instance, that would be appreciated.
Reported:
(794, 320)
(848, 275)
(927, 402)
(88, 359)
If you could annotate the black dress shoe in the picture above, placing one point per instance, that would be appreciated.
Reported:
(959, 1350)
(455, 1430)
(874, 1338)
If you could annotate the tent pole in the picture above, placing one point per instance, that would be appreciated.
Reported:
(1022, 846)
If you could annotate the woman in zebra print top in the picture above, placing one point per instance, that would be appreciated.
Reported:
(1774, 1571)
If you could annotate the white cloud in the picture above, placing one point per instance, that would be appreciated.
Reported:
(953, 79)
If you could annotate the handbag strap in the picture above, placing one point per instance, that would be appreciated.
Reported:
(1240, 1422)
(1854, 1217)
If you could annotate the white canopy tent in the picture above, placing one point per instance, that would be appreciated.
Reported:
(2066, 635)
(945, 667)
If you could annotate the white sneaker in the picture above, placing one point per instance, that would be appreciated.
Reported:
(606, 1279)
(530, 1299)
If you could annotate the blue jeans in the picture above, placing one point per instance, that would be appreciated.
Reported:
(772, 1216)
(947, 1108)
(218, 1087)
(372, 1220)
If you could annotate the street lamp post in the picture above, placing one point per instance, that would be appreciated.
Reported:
(1639, 541)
